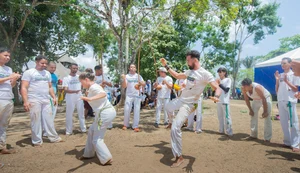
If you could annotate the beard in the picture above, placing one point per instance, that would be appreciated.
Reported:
(191, 67)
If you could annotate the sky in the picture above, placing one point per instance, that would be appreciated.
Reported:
(290, 26)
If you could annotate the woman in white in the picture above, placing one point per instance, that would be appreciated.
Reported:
(104, 115)
(36, 86)
(261, 97)
(286, 87)
(164, 85)
(8, 80)
(133, 83)
(223, 105)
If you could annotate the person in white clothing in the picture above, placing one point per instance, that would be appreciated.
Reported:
(223, 105)
(196, 80)
(106, 83)
(72, 87)
(36, 86)
(8, 80)
(261, 98)
(163, 84)
(133, 83)
(104, 115)
(54, 80)
(286, 87)
(148, 88)
(198, 115)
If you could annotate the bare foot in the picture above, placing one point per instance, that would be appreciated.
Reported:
(296, 150)
(177, 162)
(84, 158)
(37, 145)
(169, 126)
(108, 162)
(8, 151)
(58, 141)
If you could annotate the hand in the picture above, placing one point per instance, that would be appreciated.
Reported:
(251, 113)
(15, 76)
(218, 81)
(27, 106)
(85, 98)
(277, 75)
(77, 91)
(265, 114)
(296, 67)
(164, 82)
(123, 76)
(163, 61)
(103, 85)
(215, 99)
(54, 101)
(183, 85)
(155, 84)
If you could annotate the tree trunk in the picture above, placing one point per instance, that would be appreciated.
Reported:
(235, 72)
(121, 69)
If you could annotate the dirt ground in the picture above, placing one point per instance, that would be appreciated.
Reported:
(149, 151)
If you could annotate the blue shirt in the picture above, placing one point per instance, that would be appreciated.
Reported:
(54, 81)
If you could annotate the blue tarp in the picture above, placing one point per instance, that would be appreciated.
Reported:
(265, 77)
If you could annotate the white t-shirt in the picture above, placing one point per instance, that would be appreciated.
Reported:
(94, 90)
(72, 82)
(98, 80)
(165, 92)
(195, 84)
(255, 95)
(132, 80)
(285, 93)
(224, 98)
(5, 88)
(38, 83)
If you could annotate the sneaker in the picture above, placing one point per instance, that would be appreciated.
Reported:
(156, 125)
(166, 123)
(136, 130)
(198, 131)
(124, 128)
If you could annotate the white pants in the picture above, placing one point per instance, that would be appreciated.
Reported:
(73, 100)
(127, 109)
(95, 140)
(198, 114)
(6, 110)
(224, 118)
(41, 112)
(162, 103)
(291, 134)
(176, 134)
(256, 105)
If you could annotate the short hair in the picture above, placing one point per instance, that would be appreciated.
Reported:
(131, 65)
(98, 67)
(85, 75)
(289, 60)
(193, 54)
(73, 64)
(223, 69)
(52, 63)
(89, 70)
(4, 49)
(246, 82)
(40, 57)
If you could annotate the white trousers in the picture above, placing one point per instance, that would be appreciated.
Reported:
(73, 100)
(198, 114)
(256, 105)
(41, 113)
(224, 118)
(162, 103)
(127, 109)
(6, 110)
(95, 141)
(176, 134)
(290, 131)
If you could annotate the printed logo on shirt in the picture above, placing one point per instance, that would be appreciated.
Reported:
(76, 81)
(132, 80)
(3, 75)
(41, 78)
(189, 78)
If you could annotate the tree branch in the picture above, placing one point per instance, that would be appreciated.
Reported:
(5, 33)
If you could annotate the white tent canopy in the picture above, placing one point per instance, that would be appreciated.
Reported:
(61, 70)
(293, 54)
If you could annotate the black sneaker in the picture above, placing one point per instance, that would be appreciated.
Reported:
(156, 125)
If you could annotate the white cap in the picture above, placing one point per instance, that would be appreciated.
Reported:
(163, 69)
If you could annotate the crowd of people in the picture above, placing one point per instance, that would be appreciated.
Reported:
(92, 93)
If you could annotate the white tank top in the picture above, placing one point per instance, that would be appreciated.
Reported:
(254, 95)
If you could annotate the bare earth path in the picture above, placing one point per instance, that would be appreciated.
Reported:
(149, 151)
